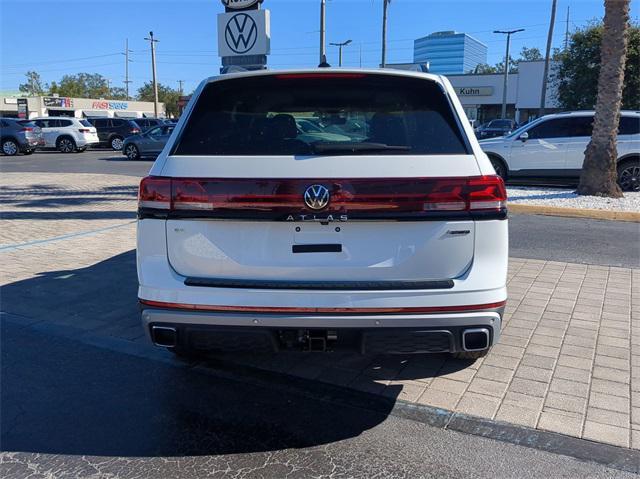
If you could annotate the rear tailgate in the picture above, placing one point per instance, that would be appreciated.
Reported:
(238, 203)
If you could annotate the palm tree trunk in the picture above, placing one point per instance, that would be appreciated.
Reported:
(599, 175)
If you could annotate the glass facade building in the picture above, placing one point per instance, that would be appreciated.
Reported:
(449, 52)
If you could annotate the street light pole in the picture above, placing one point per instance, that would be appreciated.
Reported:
(340, 45)
(545, 75)
(323, 51)
(385, 4)
(153, 42)
(126, 66)
(505, 82)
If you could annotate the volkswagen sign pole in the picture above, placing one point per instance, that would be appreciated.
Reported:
(244, 35)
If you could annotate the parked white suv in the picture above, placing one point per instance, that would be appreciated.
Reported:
(67, 134)
(553, 146)
(392, 240)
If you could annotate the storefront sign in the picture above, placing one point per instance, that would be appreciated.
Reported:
(474, 90)
(239, 4)
(58, 101)
(23, 108)
(109, 105)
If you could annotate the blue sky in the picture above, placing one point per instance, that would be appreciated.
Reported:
(71, 36)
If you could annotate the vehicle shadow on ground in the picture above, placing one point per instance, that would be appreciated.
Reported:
(62, 394)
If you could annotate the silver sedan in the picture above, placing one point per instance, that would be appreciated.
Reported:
(147, 144)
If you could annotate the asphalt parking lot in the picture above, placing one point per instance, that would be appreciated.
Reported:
(96, 392)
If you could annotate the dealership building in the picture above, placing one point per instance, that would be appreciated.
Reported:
(481, 94)
(78, 107)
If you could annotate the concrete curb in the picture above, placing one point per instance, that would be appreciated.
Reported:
(630, 216)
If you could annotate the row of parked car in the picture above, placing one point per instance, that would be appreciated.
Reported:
(69, 134)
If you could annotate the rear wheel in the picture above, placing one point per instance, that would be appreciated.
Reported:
(66, 145)
(629, 175)
(471, 354)
(10, 147)
(499, 166)
(132, 152)
(116, 143)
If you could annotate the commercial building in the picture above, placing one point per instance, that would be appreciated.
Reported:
(449, 52)
(481, 94)
(79, 107)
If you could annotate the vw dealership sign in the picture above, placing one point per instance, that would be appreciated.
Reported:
(246, 32)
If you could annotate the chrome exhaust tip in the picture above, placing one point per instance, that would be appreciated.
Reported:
(165, 336)
(475, 339)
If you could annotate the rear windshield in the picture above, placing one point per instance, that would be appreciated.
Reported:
(27, 123)
(85, 123)
(322, 114)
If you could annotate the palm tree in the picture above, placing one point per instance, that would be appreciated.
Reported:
(599, 175)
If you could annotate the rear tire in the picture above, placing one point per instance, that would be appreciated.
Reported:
(66, 145)
(10, 148)
(132, 152)
(116, 143)
(629, 175)
(499, 166)
(471, 354)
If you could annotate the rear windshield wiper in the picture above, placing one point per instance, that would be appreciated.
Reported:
(356, 146)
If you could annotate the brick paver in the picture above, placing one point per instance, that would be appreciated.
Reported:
(568, 360)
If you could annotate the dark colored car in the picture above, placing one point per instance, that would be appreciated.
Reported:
(495, 128)
(19, 136)
(147, 144)
(146, 123)
(113, 131)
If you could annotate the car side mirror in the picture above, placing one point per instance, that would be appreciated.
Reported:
(524, 136)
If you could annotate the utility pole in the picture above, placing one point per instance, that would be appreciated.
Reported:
(340, 45)
(545, 75)
(153, 42)
(323, 50)
(385, 4)
(505, 82)
(180, 82)
(126, 66)
(566, 31)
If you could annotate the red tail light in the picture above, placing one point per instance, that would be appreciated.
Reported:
(361, 198)
(155, 193)
(487, 193)
(135, 131)
(26, 128)
(84, 130)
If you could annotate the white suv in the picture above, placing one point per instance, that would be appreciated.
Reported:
(388, 237)
(553, 146)
(67, 134)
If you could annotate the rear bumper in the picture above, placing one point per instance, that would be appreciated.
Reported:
(365, 333)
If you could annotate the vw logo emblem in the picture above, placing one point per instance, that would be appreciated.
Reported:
(241, 33)
(316, 197)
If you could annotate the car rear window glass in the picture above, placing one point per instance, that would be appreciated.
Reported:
(629, 125)
(85, 123)
(322, 114)
(27, 123)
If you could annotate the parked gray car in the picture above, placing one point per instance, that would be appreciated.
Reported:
(147, 144)
(19, 136)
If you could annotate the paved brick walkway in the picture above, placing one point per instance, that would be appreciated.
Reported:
(568, 360)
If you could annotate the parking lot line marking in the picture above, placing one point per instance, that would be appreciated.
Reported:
(63, 237)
